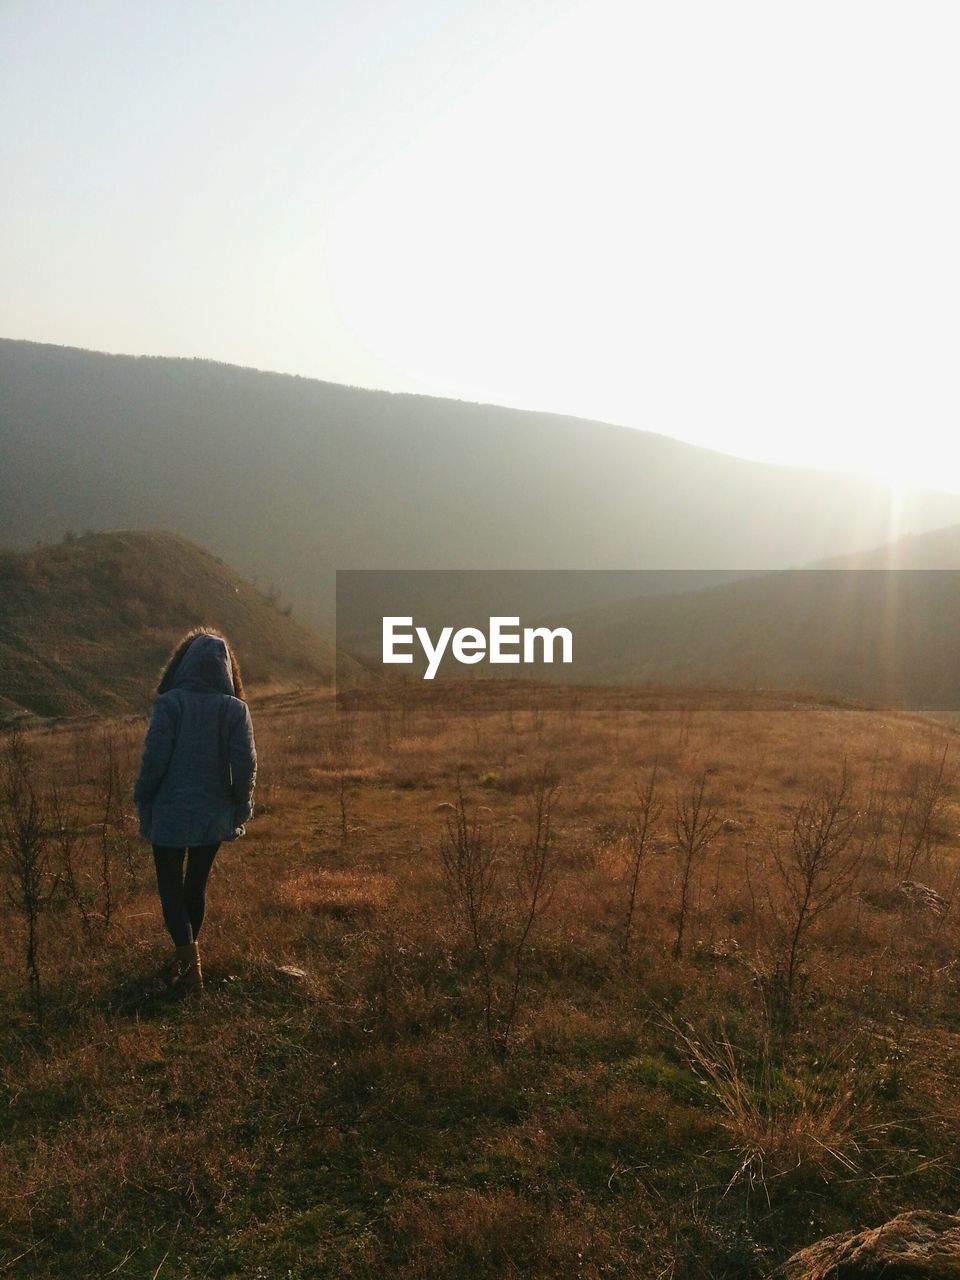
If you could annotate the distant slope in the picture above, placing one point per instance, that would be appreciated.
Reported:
(85, 625)
(879, 635)
(291, 478)
(939, 549)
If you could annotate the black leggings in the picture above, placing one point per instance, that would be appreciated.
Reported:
(182, 896)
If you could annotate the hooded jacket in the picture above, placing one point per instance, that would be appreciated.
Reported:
(199, 762)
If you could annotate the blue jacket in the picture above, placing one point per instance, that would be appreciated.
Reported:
(199, 760)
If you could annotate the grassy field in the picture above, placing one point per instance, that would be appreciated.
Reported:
(475, 1066)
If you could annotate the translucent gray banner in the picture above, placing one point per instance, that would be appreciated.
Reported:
(881, 636)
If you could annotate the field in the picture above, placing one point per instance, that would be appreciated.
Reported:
(611, 983)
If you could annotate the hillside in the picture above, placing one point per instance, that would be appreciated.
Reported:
(290, 478)
(884, 635)
(938, 549)
(86, 624)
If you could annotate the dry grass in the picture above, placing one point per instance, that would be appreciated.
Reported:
(646, 1118)
(780, 1126)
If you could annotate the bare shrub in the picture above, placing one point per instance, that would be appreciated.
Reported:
(875, 819)
(25, 851)
(641, 824)
(343, 787)
(470, 860)
(918, 813)
(67, 837)
(498, 891)
(815, 869)
(533, 884)
(343, 751)
(697, 824)
(110, 833)
(88, 853)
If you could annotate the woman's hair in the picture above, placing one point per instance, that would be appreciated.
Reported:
(176, 657)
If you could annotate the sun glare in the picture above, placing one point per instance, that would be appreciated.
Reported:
(635, 219)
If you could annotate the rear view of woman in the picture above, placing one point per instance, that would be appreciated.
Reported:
(195, 785)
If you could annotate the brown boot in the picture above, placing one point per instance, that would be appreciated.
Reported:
(187, 975)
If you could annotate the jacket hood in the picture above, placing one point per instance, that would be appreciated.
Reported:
(205, 667)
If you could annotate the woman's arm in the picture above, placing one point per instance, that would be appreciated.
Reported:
(243, 763)
(157, 749)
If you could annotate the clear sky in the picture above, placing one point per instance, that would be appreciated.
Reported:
(735, 223)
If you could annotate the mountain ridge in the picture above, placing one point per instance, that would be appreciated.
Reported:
(495, 405)
(290, 478)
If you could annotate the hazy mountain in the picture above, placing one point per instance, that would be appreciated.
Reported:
(938, 549)
(291, 478)
(86, 625)
(882, 634)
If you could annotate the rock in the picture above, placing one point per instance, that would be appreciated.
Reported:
(293, 972)
(914, 1245)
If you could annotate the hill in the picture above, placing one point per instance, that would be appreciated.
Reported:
(291, 478)
(885, 635)
(86, 624)
(938, 549)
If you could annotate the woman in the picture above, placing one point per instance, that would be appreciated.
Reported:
(195, 785)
